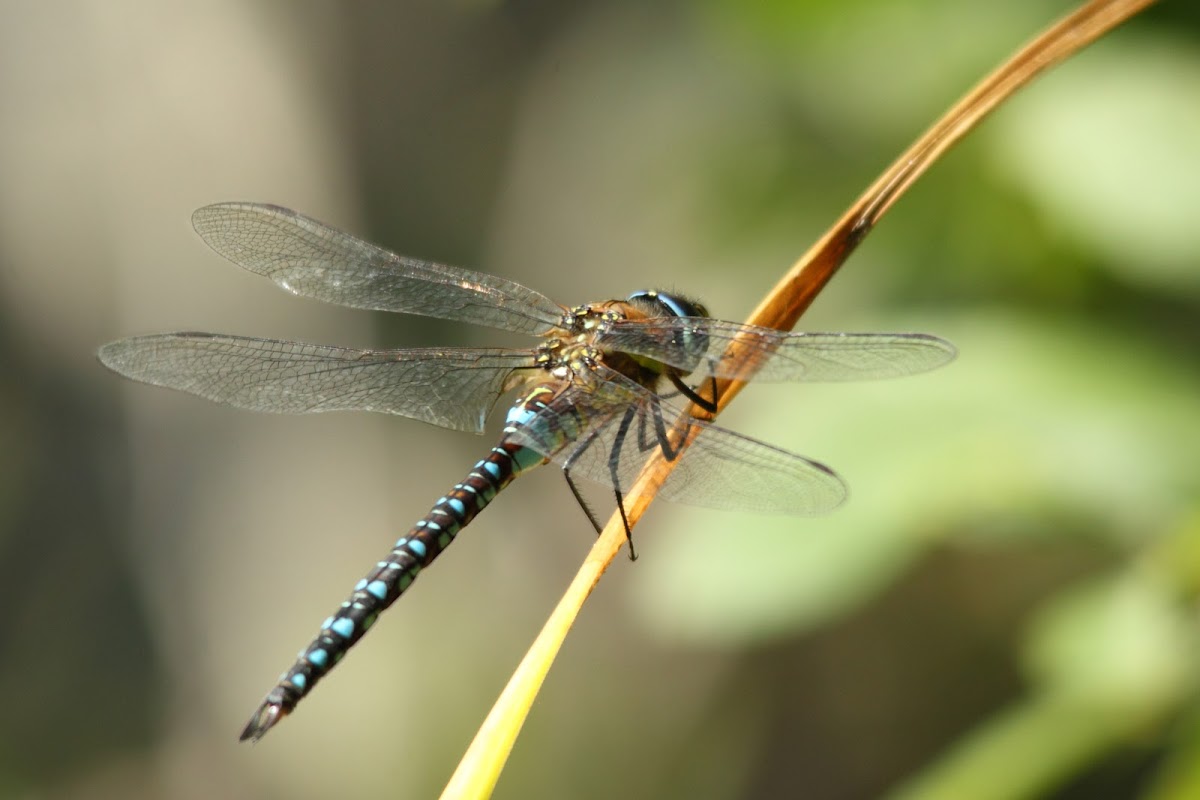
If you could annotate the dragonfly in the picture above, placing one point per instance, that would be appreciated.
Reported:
(601, 392)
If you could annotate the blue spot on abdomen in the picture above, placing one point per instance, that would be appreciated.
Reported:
(518, 416)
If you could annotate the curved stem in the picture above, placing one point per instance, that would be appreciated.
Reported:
(480, 767)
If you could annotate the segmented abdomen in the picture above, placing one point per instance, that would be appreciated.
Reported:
(411, 553)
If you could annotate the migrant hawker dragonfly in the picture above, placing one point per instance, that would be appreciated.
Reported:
(589, 392)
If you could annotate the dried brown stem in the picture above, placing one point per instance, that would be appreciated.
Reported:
(781, 308)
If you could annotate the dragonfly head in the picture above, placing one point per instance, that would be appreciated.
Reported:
(689, 343)
(665, 304)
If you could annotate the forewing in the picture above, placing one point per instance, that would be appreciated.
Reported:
(451, 388)
(699, 344)
(311, 259)
(721, 469)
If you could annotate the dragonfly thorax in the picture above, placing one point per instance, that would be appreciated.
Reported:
(680, 331)
(583, 323)
(566, 358)
(578, 352)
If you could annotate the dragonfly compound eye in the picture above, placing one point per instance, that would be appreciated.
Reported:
(668, 304)
(692, 342)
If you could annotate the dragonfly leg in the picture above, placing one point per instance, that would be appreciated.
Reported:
(646, 442)
(566, 468)
(614, 461)
(691, 394)
(669, 452)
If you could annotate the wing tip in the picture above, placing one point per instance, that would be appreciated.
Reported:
(118, 356)
(945, 345)
(215, 217)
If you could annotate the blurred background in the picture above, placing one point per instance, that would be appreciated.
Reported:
(1005, 608)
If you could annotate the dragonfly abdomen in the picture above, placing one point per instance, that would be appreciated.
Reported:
(394, 574)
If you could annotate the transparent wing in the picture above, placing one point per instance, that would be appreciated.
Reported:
(452, 388)
(721, 469)
(698, 344)
(311, 259)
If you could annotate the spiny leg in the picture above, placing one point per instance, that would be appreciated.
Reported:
(566, 468)
(669, 452)
(646, 441)
(645, 445)
(691, 394)
(614, 461)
